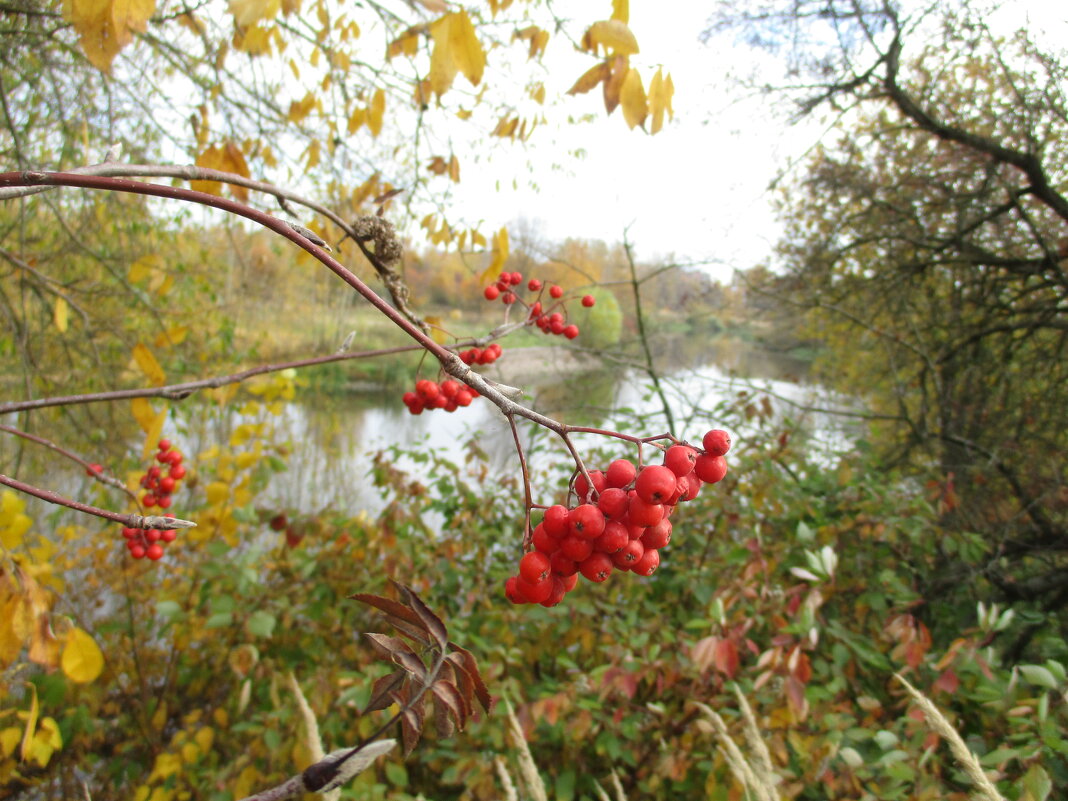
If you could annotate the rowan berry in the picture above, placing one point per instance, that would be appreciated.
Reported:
(586, 521)
(582, 489)
(94, 469)
(613, 502)
(511, 591)
(576, 548)
(534, 592)
(168, 535)
(164, 444)
(620, 473)
(137, 551)
(556, 292)
(710, 469)
(716, 442)
(491, 292)
(543, 541)
(556, 595)
(563, 565)
(629, 555)
(533, 284)
(555, 521)
(657, 536)
(515, 279)
(508, 298)
(596, 567)
(588, 300)
(648, 564)
(680, 459)
(644, 514)
(614, 537)
(570, 331)
(655, 483)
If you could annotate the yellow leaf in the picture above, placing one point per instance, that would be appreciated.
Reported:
(661, 90)
(10, 641)
(314, 150)
(9, 740)
(407, 44)
(499, 257)
(31, 723)
(253, 40)
(590, 78)
(227, 158)
(44, 647)
(149, 366)
(454, 169)
(174, 335)
(375, 112)
(106, 26)
(632, 95)
(153, 434)
(356, 120)
(249, 12)
(145, 266)
(621, 10)
(217, 492)
(611, 34)
(614, 84)
(298, 110)
(59, 314)
(143, 413)
(456, 48)
(82, 660)
(437, 333)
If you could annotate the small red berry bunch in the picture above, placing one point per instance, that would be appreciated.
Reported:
(550, 322)
(160, 486)
(486, 355)
(621, 524)
(448, 395)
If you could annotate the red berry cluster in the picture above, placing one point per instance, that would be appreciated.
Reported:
(548, 322)
(448, 395)
(160, 486)
(487, 355)
(621, 525)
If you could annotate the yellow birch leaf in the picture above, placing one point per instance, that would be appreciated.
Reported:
(356, 120)
(217, 492)
(82, 659)
(437, 333)
(174, 335)
(9, 740)
(454, 169)
(299, 109)
(614, 84)
(253, 40)
(106, 26)
(143, 413)
(60, 313)
(149, 366)
(211, 158)
(590, 78)
(44, 647)
(456, 49)
(407, 44)
(661, 90)
(621, 10)
(499, 257)
(314, 151)
(477, 240)
(10, 641)
(632, 95)
(153, 435)
(144, 266)
(31, 723)
(611, 34)
(375, 112)
(249, 12)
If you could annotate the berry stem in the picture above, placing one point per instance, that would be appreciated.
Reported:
(128, 520)
(528, 501)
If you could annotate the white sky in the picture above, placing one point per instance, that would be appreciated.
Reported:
(699, 188)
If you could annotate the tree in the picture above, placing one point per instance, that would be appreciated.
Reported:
(926, 243)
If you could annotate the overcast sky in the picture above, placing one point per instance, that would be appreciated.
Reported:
(699, 188)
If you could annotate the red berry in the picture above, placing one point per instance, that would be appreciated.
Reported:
(588, 300)
(464, 397)
(613, 538)
(543, 541)
(408, 398)
(515, 279)
(535, 593)
(655, 483)
(278, 522)
(680, 459)
(416, 407)
(710, 469)
(657, 536)
(511, 591)
(534, 567)
(449, 388)
(716, 442)
(168, 535)
(154, 471)
(641, 513)
(555, 521)
(556, 327)
(130, 533)
(94, 469)
(428, 390)
(535, 310)
(582, 488)
(570, 331)
(576, 548)
(177, 472)
(163, 501)
(153, 535)
(149, 499)
(562, 565)
(533, 284)
(166, 485)
(596, 567)
(648, 564)
(586, 521)
(173, 457)
(137, 551)
(491, 292)
(613, 502)
(508, 298)
(164, 444)
(556, 292)
(163, 457)
(620, 473)
(558, 592)
(629, 555)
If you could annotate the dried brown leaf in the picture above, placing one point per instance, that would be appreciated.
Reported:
(398, 615)
(470, 666)
(429, 619)
(447, 694)
(383, 689)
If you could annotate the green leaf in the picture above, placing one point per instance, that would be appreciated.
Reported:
(1036, 674)
(261, 624)
(1037, 784)
(219, 620)
(396, 774)
(168, 610)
